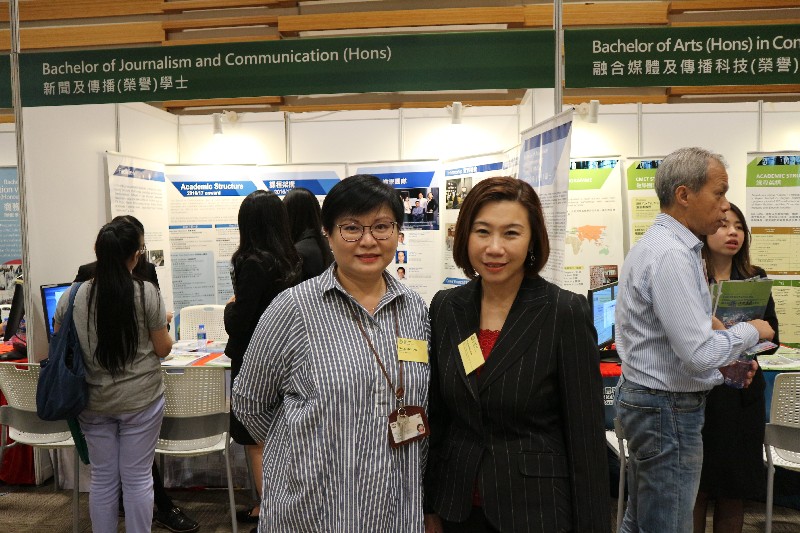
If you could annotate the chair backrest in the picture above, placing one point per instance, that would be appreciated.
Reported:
(211, 316)
(195, 410)
(18, 382)
(785, 408)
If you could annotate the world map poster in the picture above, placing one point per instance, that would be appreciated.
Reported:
(593, 242)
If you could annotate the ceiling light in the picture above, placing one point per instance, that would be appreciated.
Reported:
(457, 110)
(217, 123)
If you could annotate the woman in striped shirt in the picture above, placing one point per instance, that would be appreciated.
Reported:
(331, 361)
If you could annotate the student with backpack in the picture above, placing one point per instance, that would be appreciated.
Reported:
(122, 328)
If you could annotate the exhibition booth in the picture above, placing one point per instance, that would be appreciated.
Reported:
(184, 176)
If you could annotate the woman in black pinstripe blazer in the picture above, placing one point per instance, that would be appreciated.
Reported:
(516, 408)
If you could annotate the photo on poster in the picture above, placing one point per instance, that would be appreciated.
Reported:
(456, 190)
(420, 207)
(450, 237)
(400, 257)
(8, 273)
(156, 257)
(401, 273)
(602, 275)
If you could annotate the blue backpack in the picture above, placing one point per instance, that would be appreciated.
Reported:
(62, 392)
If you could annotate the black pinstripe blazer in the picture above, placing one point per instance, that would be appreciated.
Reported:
(529, 430)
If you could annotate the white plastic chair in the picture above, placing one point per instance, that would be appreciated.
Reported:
(196, 418)
(616, 441)
(782, 435)
(20, 422)
(211, 316)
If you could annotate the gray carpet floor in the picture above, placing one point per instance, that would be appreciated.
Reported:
(25, 509)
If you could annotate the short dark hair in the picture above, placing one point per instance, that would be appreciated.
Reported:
(358, 195)
(401, 268)
(501, 189)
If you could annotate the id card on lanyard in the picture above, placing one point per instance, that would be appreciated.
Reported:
(407, 423)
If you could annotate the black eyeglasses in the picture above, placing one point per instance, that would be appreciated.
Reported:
(353, 232)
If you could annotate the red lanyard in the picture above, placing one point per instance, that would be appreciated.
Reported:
(399, 392)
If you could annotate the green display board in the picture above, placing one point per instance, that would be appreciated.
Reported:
(643, 57)
(422, 62)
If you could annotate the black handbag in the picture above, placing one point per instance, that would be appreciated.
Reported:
(62, 392)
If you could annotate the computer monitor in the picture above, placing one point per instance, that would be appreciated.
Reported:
(17, 310)
(50, 296)
(603, 302)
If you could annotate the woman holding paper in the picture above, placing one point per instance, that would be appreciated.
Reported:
(264, 264)
(733, 435)
(516, 406)
(335, 381)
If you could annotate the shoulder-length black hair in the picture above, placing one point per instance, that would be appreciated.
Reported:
(112, 291)
(359, 195)
(264, 233)
(305, 215)
(502, 189)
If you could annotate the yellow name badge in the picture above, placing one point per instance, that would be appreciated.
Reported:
(471, 354)
(412, 350)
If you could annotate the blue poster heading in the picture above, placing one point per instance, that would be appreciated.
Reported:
(319, 187)
(214, 188)
(475, 169)
(407, 180)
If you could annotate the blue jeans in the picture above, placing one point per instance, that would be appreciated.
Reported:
(121, 449)
(665, 446)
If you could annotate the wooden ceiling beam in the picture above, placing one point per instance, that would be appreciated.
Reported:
(180, 6)
(79, 9)
(222, 22)
(734, 89)
(220, 40)
(85, 36)
(684, 6)
(751, 22)
(221, 102)
(617, 99)
(382, 106)
(293, 24)
(600, 14)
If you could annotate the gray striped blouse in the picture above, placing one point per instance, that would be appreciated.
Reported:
(310, 388)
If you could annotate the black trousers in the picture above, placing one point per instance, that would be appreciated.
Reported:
(475, 523)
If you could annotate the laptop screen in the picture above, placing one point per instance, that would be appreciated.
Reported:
(50, 296)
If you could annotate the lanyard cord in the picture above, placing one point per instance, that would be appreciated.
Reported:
(399, 392)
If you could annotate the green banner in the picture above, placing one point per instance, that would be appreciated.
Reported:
(5, 80)
(774, 171)
(644, 57)
(641, 174)
(423, 62)
(585, 175)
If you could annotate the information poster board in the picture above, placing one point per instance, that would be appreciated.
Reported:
(544, 164)
(138, 187)
(773, 214)
(641, 201)
(203, 231)
(593, 249)
(10, 233)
